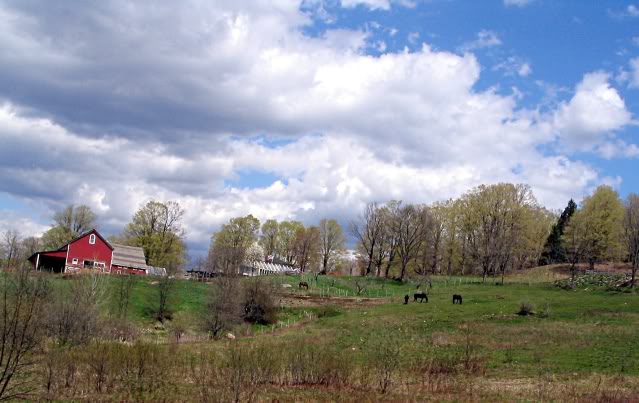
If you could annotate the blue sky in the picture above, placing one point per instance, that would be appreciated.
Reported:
(309, 109)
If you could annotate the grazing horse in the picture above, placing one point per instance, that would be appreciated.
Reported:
(421, 296)
(406, 297)
(303, 284)
(457, 298)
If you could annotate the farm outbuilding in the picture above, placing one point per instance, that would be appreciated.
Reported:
(90, 251)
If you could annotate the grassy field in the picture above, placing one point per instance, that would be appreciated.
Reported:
(579, 344)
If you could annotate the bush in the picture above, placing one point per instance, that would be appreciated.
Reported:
(224, 306)
(526, 309)
(545, 312)
(258, 303)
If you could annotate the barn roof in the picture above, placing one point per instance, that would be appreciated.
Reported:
(128, 256)
(91, 231)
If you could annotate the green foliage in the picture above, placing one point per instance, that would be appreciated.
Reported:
(231, 243)
(157, 228)
(270, 237)
(595, 231)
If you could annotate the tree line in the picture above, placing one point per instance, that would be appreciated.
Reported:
(490, 230)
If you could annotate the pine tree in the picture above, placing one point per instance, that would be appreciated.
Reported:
(554, 251)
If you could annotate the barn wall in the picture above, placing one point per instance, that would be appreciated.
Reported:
(83, 250)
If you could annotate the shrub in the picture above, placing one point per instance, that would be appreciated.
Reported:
(224, 305)
(526, 308)
(258, 303)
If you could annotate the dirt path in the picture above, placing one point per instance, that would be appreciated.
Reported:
(296, 301)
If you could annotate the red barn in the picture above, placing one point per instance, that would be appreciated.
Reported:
(91, 251)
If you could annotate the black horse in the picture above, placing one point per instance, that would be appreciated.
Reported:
(457, 298)
(303, 284)
(406, 297)
(421, 296)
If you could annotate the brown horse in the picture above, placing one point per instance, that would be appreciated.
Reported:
(303, 284)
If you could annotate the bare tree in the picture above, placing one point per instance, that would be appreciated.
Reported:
(390, 241)
(29, 246)
(631, 233)
(123, 294)
(69, 224)
(11, 246)
(331, 242)
(22, 306)
(409, 223)
(369, 231)
(165, 291)
(224, 308)
(306, 247)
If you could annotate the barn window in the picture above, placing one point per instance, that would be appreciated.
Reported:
(92, 239)
(88, 264)
(75, 260)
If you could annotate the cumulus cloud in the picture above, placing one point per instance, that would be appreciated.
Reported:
(118, 104)
(595, 110)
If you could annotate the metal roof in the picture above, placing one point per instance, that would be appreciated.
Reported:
(259, 268)
(128, 256)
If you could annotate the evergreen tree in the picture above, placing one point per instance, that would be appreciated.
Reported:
(554, 251)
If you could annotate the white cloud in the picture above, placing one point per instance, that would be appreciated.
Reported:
(377, 4)
(177, 117)
(618, 149)
(514, 65)
(595, 110)
(25, 225)
(517, 3)
(485, 39)
(631, 11)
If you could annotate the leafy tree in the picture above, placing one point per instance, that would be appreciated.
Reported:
(269, 238)
(553, 249)
(230, 244)
(603, 213)
(331, 243)
(287, 233)
(68, 224)
(157, 228)
(493, 221)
